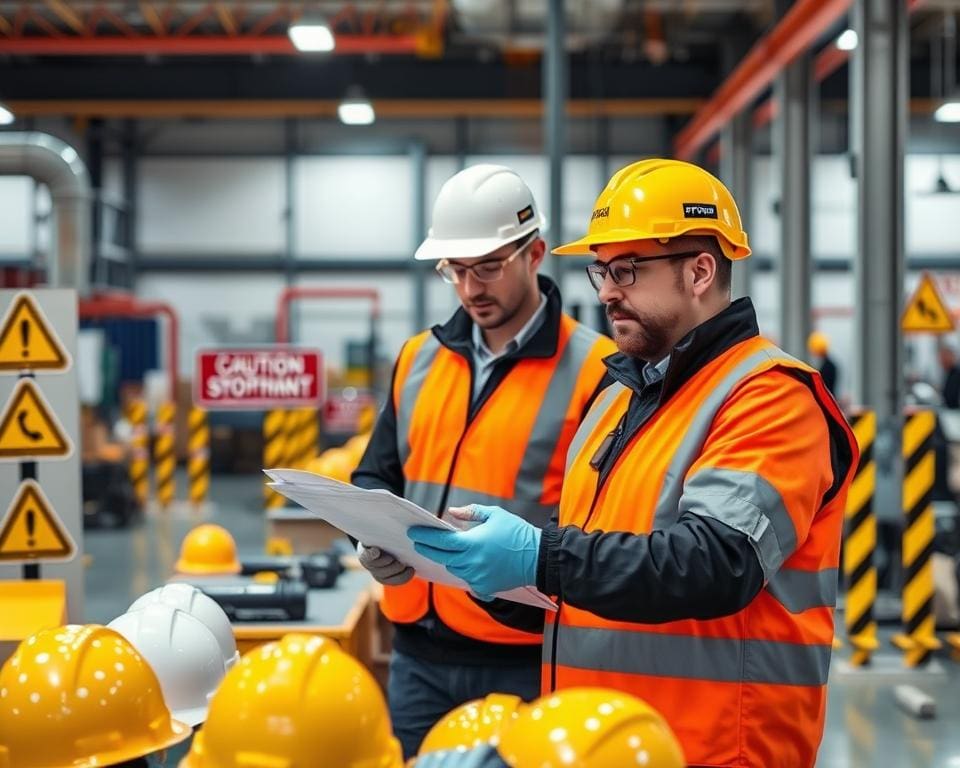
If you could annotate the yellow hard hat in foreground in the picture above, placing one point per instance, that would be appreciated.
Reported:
(296, 703)
(78, 697)
(589, 728)
(473, 724)
(660, 199)
(208, 550)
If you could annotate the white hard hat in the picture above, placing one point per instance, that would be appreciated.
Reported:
(182, 651)
(477, 211)
(189, 599)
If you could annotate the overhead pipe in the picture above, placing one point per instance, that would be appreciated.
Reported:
(800, 28)
(53, 162)
(120, 305)
(294, 293)
(204, 45)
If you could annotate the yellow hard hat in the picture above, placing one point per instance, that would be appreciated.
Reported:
(660, 199)
(357, 446)
(337, 463)
(472, 724)
(296, 703)
(79, 696)
(818, 343)
(589, 728)
(206, 550)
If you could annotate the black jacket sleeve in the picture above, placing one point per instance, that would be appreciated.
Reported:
(698, 568)
(380, 466)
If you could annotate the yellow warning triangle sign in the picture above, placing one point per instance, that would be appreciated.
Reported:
(27, 341)
(28, 427)
(926, 312)
(31, 529)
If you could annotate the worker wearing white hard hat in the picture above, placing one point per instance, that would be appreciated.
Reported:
(508, 376)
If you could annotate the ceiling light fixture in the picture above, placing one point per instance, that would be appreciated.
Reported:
(311, 35)
(848, 40)
(356, 109)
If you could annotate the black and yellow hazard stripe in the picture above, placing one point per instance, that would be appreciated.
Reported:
(859, 542)
(274, 451)
(296, 426)
(309, 436)
(139, 468)
(918, 639)
(164, 459)
(198, 459)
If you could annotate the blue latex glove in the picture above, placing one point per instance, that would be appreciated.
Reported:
(498, 553)
(479, 757)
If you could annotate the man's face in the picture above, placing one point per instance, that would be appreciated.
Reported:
(493, 304)
(645, 316)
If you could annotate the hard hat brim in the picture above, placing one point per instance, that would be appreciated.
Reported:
(197, 569)
(435, 248)
(585, 245)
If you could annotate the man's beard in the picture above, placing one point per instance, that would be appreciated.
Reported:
(650, 341)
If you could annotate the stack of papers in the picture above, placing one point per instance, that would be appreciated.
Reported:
(379, 519)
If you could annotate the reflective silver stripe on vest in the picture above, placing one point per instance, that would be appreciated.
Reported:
(748, 503)
(428, 496)
(589, 422)
(688, 657)
(799, 591)
(411, 391)
(547, 425)
(668, 504)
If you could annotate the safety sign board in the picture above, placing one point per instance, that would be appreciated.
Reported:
(257, 379)
(926, 311)
(28, 427)
(31, 529)
(27, 340)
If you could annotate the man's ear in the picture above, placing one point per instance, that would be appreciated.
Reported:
(704, 273)
(538, 250)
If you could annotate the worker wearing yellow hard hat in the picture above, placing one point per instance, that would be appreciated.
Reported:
(208, 550)
(703, 498)
(299, 702)
(818, 345)
(575, 728)
(82, 697)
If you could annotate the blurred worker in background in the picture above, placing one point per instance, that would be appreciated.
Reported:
(296, 703)
(483, 406)
(818, 345)
(695, 560)
(582, 727)
(947, 356)
(80, 697)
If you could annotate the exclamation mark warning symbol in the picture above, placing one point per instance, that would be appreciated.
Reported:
(25, 337)
(31, 525)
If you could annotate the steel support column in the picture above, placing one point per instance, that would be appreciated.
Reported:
(419, 273)
(131, 163)
(794, 160)
(879, 107)
(555, 93)
(736, 162)
(881, 100)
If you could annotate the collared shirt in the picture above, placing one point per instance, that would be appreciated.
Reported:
(484, 359)
(653, 373)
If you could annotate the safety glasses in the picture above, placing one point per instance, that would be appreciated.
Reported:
(488, 271)
(623, 270)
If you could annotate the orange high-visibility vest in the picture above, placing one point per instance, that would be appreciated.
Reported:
(748, 689)
(511, 454)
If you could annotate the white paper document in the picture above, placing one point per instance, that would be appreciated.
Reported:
(379, 519)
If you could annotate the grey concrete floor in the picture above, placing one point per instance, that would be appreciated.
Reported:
(865, 729)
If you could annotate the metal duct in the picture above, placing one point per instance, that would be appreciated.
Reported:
(50, 161)
(523, 23)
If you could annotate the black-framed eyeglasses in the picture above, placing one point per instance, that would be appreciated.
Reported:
(623, 270)
(488, 271)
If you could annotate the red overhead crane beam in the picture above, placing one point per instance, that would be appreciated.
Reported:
(800, 28)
